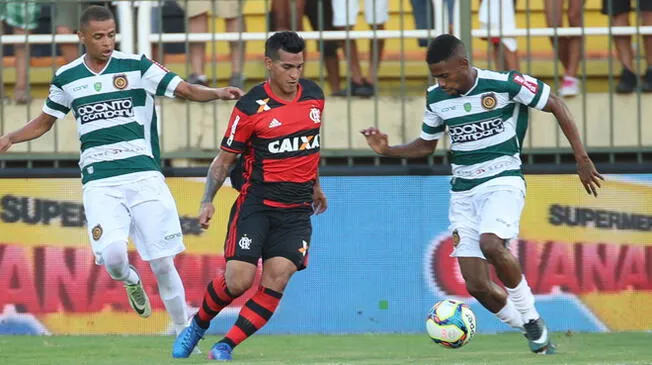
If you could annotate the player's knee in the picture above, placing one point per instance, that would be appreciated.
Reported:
(116, 260)
(238, 285)
(163, 266)
(478, 288)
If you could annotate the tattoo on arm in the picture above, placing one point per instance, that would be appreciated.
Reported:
(216, 175)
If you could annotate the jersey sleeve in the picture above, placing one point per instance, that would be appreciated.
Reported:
(158, 80)
(433, 126)
(528, 90)
(57, 104)
(238, 132)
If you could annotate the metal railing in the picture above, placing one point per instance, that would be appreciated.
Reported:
(192, 132)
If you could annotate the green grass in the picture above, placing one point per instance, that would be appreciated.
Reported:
(611, 348)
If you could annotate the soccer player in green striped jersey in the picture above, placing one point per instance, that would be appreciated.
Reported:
(486, 116)
(111, 95)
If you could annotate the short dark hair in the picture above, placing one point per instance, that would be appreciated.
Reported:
(95, 13)
(442, 48)
(288, 41)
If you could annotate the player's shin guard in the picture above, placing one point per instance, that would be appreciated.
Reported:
(216, 297)
(253, 316)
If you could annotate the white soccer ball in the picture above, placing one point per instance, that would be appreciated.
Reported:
(451, 323)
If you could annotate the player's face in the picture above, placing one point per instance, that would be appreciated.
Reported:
(451, 75)
(286, 71)
(99, 39)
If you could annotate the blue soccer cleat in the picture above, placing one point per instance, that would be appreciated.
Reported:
(538, 337)
(187, 340)
(221, 352)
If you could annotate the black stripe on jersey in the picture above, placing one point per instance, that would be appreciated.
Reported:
(235, 146)
(257, 101)
(302, 143)
(311, 91)
(288, 192)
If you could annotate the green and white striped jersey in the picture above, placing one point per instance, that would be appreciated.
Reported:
(114, 109)
(486, 125)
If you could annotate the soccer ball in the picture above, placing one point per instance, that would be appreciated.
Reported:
(451, 323)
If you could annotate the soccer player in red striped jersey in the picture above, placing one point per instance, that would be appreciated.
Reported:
(275, 129)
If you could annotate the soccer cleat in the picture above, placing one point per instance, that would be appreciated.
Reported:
(187, 341)
(538, 337)
(138, 299)
(221, 352)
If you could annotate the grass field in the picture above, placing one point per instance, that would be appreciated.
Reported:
(612, 348)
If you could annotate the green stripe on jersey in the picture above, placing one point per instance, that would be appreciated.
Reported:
(459, 184)
(58, 107)
(122, 65)
(73, 74)
(536, 98)
(137, 96)
(465, 158)
(432, 130)
(102, 170)
(111, 135)
(163, 85)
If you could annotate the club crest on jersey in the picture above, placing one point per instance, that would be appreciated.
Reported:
(467, 107)
(489, 101)
(120, 81)
(263, 105)
(98, 86)
(96, 232)
(294, 144)
(315, 115)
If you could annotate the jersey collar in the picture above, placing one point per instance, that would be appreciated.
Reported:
(268, 90)
(475, 83)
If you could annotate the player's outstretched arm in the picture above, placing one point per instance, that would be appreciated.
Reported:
(194, 92)
(32, 130)
(378, 142)
(586, 170)
(217, 173)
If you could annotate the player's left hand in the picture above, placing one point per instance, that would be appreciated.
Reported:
(319, 202)
(229, 93)
(589, 175)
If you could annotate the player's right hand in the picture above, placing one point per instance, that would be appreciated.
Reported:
(5, 144)
(205, 214)
(376, 139)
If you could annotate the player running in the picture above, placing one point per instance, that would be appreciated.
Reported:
(486, 114)
(111, 95)
(275, 127)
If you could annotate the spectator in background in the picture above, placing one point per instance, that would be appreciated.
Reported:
(197, 13)
(619, 11)
(23, 18)
(425, 16)
(568, 48)
(498, 16)
(284, 10)
(345, 14)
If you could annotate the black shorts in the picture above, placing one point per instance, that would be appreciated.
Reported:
(312, 11)
(256, 230)
(625, 6)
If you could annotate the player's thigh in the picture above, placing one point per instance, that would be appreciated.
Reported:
(500, 212)
(345, 12)
(290, 235)
(464, 226)
(107, 216)
(376, 12)
(229, 9)
(247, 232)
(156, 229)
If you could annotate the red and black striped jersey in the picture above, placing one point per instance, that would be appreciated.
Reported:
(279, 143)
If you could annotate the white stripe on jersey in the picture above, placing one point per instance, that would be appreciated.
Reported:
(115, 151)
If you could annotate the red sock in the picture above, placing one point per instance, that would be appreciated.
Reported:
(216, 297)
(253, 316)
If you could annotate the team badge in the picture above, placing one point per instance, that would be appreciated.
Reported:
(467, 107)
(456, 238)
(120, 81)
(315, 115)
(97, 232)
(98, 86)
(489, 101)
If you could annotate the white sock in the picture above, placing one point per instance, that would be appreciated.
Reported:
(171, 290)
(132, 278)
(510, 315)
(523, 300)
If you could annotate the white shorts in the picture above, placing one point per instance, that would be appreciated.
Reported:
(143, 210)
(485, 209)
(376, 12)
(497, 14)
